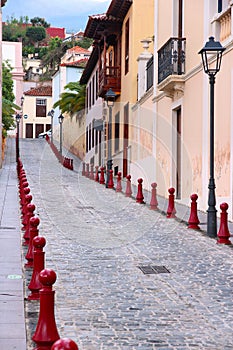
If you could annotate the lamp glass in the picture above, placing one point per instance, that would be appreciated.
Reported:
(212, 48)
(110, 97)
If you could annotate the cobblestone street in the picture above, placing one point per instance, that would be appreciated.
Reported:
(96, 241)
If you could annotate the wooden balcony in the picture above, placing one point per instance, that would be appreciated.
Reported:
(109, 77)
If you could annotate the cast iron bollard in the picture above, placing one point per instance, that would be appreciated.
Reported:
(83, 171)
(38, 265)
(92, 172)
(154, 202)
(140, 197)
(102, 180)
(64, 344)
(30, 213)
(223, 233)
(128, 191)
(110, 180)
(33, 232)
(97, 173)
(193, 218)
(118, 186)
(46, 330)
(171, 211)
(27, 199)
(71, 164)
(87, 170)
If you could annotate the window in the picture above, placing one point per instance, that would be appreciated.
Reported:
(89, 148)
(86, 139)
(90, 94)
(127, 47)
(96, 85)
(93, 89)
(93, 134)
(117, 131)
(87, 102)
(219, 6)
(40, 107)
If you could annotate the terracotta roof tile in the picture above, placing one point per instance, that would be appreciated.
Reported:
(39, 91)
(53, 32)
(79, 63)
(78, 49)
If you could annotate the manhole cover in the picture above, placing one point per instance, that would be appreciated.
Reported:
(153, 269)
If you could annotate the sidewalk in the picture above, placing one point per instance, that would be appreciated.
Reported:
(98, 242)
(12, 320)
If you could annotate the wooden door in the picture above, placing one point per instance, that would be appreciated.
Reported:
(29, 130)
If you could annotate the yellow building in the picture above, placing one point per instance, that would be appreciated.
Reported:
(117, 35)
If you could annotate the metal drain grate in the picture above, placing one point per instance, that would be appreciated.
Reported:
(153, 269)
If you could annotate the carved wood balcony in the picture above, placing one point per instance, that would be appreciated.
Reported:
(109, 77)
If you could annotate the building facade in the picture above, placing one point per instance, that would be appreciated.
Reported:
(37, 103)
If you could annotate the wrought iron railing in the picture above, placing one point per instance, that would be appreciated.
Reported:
(149, 73)
(171, 58)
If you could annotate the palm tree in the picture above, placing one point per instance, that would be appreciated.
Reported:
(72, 101)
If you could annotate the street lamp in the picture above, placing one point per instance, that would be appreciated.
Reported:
(17, 117)
(212, 49)
(110, 97)
(60, 118)
(51, 114)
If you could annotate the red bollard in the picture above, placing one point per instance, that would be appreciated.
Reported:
(171, 211)
(30, 213)
(46, 330)
(33, 232)
(128, 191)
(38, 265)
(154, 202)
(140, 197)
(64, 344)
(26, 201)
(83, 171)
(87, 173)
(91, 176)
(102, 180)
(193, 218)
(223, 233)
(97, 173)
(118, 186)
(110, 180)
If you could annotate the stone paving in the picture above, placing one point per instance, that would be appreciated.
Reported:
(96, 241)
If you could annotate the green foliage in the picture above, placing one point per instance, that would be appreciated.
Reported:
(8, 107)
(72, 101)
(38, 21)
(84, 43)
(35, 34)
(13, 30)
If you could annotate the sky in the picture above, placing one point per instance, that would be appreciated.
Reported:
(70, 14)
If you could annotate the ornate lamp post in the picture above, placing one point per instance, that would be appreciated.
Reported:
(212, 49)
(17, 117)
(51, 114)
(110, 98)
(60, 118)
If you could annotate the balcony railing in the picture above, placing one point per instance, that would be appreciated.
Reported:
(109, 77)
(171, 58)
(149, 73)
(225, 25)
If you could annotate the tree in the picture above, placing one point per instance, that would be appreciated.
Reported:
(8, 107)
(72, 101)
(35, 34)
(38, 21)
(52, 58)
